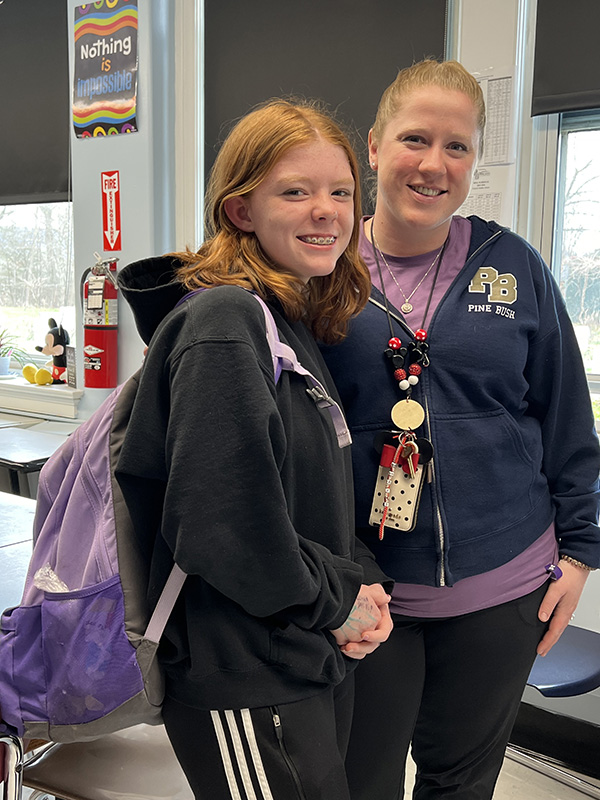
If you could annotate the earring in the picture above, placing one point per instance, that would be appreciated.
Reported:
(373, 164)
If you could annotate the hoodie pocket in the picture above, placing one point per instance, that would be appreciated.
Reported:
(483, 468)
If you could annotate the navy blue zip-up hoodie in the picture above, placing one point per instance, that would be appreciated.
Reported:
(507, 409)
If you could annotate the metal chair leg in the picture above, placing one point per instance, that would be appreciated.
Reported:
(539, 764)
(13, 783)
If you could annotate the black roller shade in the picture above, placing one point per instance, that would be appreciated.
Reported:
(344, 52)
(566, 73)
(34, 101)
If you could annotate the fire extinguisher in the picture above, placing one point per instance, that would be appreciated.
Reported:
(99, 293)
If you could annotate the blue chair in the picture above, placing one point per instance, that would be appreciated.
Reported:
(571, 668)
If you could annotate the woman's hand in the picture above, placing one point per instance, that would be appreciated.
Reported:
(559, 603)
(368, 624)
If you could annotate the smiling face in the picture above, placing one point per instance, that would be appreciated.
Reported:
(303, 211)
(425, 159)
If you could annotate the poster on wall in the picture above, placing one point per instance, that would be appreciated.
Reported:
(105, 83)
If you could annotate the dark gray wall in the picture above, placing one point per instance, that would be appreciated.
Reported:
(34, 100)
(566, 75)
(344, 52)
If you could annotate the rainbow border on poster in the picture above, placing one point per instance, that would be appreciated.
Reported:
(106, 24)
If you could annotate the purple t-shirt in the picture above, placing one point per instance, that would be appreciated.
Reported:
(522, 574)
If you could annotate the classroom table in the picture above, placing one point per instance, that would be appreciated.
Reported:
(16, 535)
(23, 452)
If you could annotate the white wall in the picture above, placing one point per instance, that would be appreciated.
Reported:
(146, 164)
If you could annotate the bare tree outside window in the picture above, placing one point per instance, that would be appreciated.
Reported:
(576, 257)
(36, 270)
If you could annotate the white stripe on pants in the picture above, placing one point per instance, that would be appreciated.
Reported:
(240, 756)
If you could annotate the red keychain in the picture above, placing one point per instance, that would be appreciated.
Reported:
(397, 492)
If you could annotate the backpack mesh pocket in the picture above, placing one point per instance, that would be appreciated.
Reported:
(90, 664)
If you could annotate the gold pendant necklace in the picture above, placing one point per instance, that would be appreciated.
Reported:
(407, 306)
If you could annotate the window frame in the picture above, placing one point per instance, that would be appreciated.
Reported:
(570, 122)
(540, 214)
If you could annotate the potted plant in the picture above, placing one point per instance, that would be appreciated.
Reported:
(10, 349)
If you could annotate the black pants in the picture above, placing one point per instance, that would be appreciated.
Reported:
(287, 752)
(452, 688)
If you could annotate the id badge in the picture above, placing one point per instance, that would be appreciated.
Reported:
(397, 493)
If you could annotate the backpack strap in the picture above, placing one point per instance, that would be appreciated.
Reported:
(319, 394)
(286, 358)
(165, 604)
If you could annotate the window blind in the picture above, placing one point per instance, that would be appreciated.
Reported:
(567, 56)
(344, 52)
(34, 101)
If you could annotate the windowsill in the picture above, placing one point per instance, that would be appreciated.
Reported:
(18, 395)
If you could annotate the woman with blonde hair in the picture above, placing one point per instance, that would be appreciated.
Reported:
(475, 455)
(253, 486)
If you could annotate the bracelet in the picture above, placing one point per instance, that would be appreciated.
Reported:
(554, 571)
(576, 563)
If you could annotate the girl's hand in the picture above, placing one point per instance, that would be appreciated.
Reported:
(368, 624)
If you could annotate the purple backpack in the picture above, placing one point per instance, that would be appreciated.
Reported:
(77, 657)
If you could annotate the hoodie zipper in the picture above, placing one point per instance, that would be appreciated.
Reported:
(431, 465)
(438, 513)
(284, 753)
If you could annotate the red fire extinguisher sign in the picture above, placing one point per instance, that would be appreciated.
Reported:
(111, 210)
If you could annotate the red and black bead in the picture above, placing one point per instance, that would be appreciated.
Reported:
(420, 335)
(415, 369)
(400, 374)
(394, 343)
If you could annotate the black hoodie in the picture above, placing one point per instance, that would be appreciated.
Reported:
(257, 504)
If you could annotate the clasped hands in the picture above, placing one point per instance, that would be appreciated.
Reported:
(368, 624)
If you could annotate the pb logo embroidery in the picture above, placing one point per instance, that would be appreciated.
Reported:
(502, 288)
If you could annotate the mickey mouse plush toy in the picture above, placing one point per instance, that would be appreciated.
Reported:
(56, 339)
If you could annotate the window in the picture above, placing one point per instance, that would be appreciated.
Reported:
(576, 249)
(36, 271)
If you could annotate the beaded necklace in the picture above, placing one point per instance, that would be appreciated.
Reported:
(408, 360)
(392, 508)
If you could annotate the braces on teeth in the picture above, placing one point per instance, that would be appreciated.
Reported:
(319, 239)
